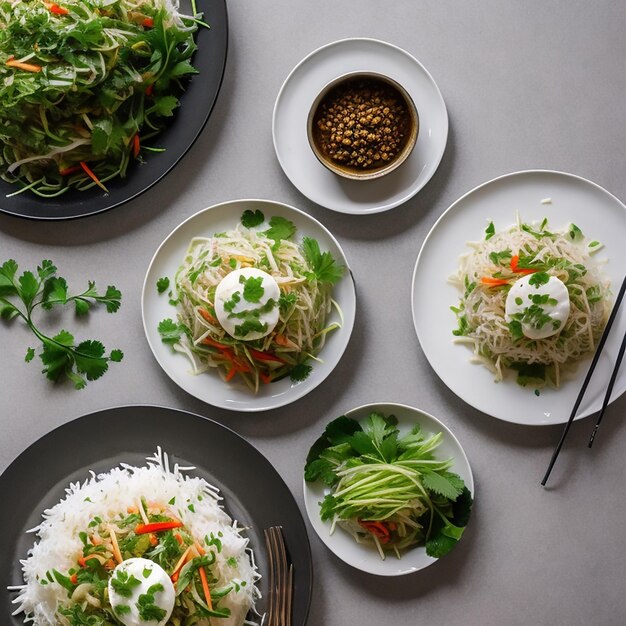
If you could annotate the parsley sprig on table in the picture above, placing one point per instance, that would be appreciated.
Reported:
(20, 296)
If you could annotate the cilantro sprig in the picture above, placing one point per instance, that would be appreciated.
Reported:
(375, 473)
(325, 268)
(20, 297)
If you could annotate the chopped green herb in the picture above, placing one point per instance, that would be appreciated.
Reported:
(163, 284)
(250, 218)
(538, 279)
(575, 234)
(490, 231)
(300, 372)
(280, 228)
(325, 268)
(253, 289)
(123, 583)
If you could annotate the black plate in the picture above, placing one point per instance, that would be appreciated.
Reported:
(253, 491)
(196, 105)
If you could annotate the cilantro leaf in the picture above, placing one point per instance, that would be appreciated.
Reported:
(116, 356)
(325, 268)
(170, 331)
(164, 105)
(575, 234)
(252, 288)
(287, 300)
(538, 279)
(250, 325)
(490, 231)
(59, 355)
(280, 228)
(300, 372)
(123, 583)
(250, 218)
(163, 284)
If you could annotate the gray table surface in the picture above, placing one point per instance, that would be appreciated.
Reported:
(528, 85)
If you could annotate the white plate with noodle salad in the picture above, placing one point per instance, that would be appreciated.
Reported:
(511, 292)
(249, 304)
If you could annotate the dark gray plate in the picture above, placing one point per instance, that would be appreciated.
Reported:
(196, 104)
(253, 491)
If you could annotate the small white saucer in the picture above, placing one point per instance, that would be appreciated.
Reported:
(300, 90)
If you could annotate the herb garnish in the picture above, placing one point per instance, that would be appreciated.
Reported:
(325, 268)
(60, 356)
(250, 219)
(163, 284)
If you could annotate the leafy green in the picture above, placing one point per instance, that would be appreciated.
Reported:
(324, 268)
(60, 355)
(148, 610)
(252, 288)
(123, 583)
(300, 372)
(163, 284)
(538, 279)
(170, 331)
(575, 234)
(280, 228)
(250, 218)
(490, 231)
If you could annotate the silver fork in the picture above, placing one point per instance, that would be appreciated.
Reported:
(281, 579)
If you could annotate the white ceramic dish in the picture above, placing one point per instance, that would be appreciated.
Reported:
(289, 126)
(208, 386)
(365, 557)
(600, 215)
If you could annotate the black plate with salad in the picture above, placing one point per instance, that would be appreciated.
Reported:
(109, 94)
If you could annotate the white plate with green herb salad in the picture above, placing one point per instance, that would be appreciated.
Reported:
(388, 488)
(512, 290)
(249, 305)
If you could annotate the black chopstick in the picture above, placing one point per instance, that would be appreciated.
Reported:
(583, 389)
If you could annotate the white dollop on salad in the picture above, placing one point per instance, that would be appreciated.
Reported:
(141, 592)
(246, 303)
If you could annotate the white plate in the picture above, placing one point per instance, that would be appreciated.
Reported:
(600, 215)
(208, 386)
(364, 557)
(301, 88)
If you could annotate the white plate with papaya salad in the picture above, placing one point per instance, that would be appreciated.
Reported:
(249, 305)
(512, 290)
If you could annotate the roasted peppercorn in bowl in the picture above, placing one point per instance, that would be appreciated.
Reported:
(362, 125)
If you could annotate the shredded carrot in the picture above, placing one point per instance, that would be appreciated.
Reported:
(493, 282)
(93, 176)
(20, 65)
(110, 564)
(231, 373)
(515, 268)
(209, 318)
(266, 378)
(74, 579)
(116, 549)
(179, 565)
(149, 90)
(96, 541)
(154, 541)
(179, 539)
(70, 170)
(148, 22)
(205, 587)
(136, 145)
(57, 10)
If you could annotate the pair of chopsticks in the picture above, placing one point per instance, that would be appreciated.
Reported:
(583, 389)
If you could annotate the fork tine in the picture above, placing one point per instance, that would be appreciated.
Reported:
(281, 579)
(289, 595)
(271, 620)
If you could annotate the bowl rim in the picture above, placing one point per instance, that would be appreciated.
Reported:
(376, 172)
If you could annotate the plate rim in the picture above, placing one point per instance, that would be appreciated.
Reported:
(508, 175)
(164, 173)
(418, 412)
(212, 424)
(348, 325)
(346, 40)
